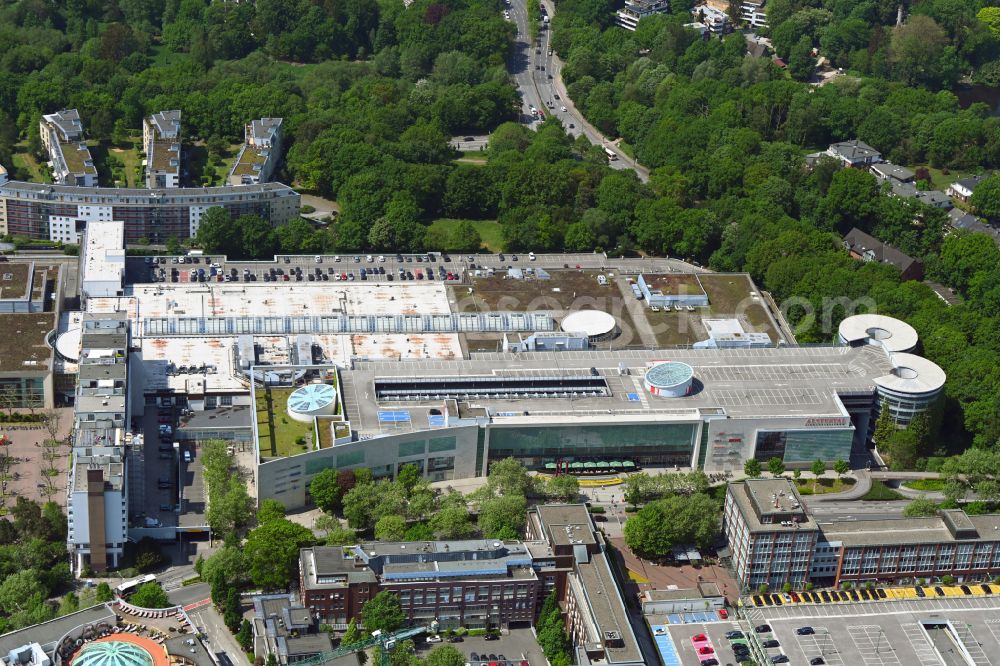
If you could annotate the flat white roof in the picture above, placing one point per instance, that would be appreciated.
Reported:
(893, 334)
(104, 252)
(229, 299)
(912, 374)
(217, 352)
(592, 322)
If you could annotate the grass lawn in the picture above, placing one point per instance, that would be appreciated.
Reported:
(929, 485)
(489, 231)
(26, 165)
(205, 170)
(881, 493)
(939, 180)
(278, 432)
(477, 157)
(823, 486)
(132, 160)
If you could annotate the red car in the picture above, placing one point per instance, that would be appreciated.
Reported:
(343, 276)
(723, 613)
(705, 649)
(699, 638)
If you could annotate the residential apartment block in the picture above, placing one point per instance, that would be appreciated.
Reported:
(773, 540)
(97, 505)
(259, 154)
(484, 582)
(628, 16)
(753, 13)
(69, 157)
(161, 141)
(60, 212)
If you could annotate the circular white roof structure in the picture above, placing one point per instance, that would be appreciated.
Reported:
(595, 323)
(892, 334)
(669, 378)
(68, 344)
(912, 375)
(312, 400)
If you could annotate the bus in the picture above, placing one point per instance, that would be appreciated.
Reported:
(130, 586)
(611, 154)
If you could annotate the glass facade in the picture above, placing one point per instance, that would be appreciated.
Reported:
(804, 446)
(407, 449)
(438, 444)
(351, 458)
(317, 466)
(644, 444)
(24, 392)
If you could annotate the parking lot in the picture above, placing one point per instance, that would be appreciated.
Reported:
(689, 650)
(379, 268)
(516, 646)
(946, 630)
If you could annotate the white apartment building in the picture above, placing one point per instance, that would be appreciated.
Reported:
(161, 141)
(260, 153)
(69, 157)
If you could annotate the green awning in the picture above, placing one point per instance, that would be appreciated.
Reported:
(550, 466)
(615, 463)
(604, 464)
(589, 465)
(628, 463)
(576, 465)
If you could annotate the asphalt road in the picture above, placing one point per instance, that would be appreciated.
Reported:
(218, 640)
(537, 71)
(188, 595)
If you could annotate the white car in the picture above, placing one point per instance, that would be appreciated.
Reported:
(531, 256)
(563, 109)
(434, 639)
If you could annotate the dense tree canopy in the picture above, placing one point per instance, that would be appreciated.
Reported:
(673, 521)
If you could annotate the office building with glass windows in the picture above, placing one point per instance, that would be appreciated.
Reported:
(774, 540)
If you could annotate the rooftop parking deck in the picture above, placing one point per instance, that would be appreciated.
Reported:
(742, 382)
